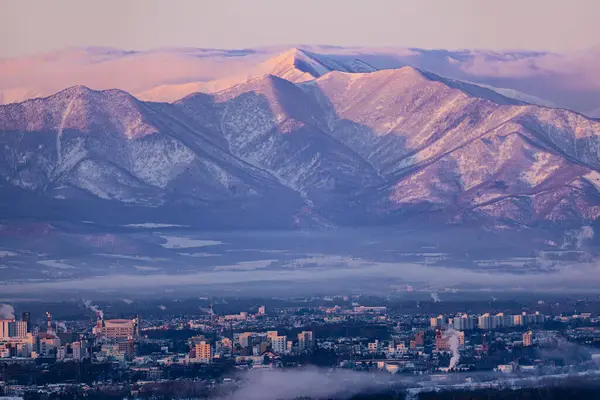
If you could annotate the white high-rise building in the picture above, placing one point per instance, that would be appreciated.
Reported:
(279, 344)
(501, 320)
(4, 327)
(463, 322)
(485, 321)
(438, 322)
(305, 340)
(78, 351)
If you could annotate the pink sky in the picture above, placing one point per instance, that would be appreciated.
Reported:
(30, 27)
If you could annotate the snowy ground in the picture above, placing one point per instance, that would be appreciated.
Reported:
(389, 261)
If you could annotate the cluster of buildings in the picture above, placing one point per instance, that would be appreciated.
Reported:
(115, 339)
(16, 338)
(349, 335)
(465, 322)
(249, 346)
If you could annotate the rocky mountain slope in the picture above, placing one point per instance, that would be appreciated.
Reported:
(397, 146)
(96, 155)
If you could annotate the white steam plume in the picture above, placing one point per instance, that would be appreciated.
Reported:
(93, 308)
(585, 233)
(435, 297)
(7, 311)
(454, 343)
(577, 237)
(61, 325)
(162, 307)
(127, 301)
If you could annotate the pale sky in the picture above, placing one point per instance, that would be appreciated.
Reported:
(34, 26)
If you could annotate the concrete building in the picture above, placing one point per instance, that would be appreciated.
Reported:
(373, 347)
(4, 327)
(441, 342)
(244, 339)
(118, 328)
(262, 310)
(225, 345)
(437, 322)
(279, 344)
(527, 339)
(463, 322)
(48, 344)
(128, 348)
(236, 317)
(60, 353)
(78, 351)
(518, 320)
(4, 351)
(204, 352)
(485, 322)
(17, 329)
(501, 320)
(419, 339)
(370, 310)
(305, 340)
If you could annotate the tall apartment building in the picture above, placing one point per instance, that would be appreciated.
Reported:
(204, 352)
(437, 322)
(279, 344)
(305, 340)
(463, 322)
(78, 351)
(485, 321)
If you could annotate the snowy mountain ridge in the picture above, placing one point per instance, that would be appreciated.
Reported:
(315, 139)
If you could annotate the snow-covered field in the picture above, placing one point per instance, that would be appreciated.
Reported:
(182, 242)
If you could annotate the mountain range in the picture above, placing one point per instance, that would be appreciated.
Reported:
(300, 139)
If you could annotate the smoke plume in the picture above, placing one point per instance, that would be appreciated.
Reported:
(454, 343)
(585, 233)
(577, 238)
(7, 311)
(93, 308)
(61, 325)
(435, 297)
